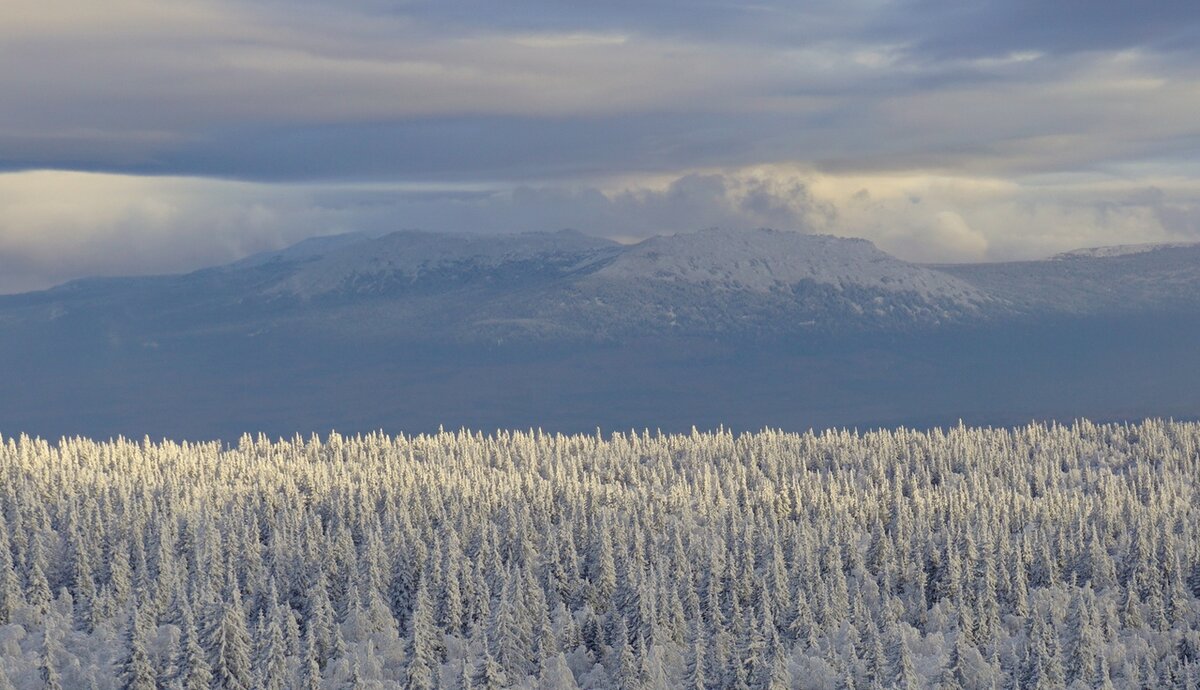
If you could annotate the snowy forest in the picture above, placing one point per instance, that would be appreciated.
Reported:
(1047, 556)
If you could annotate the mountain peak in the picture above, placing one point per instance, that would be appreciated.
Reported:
(304, 249)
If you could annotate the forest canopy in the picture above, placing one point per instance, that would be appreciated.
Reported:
(1046, 556)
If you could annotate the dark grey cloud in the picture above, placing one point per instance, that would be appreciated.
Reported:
(265, 90)
(792, 23)
(926, 29)
(940, 29)
(936, 28)
(491, 148)
(455, 148)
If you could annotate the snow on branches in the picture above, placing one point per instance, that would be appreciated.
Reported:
(1044, 556)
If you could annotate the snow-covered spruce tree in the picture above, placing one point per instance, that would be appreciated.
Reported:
(229, 647)
(194, 670)
(422, 644)
(136, 669)
(490, 674)
(271, 656)
(693, 672)
(310, 667)
(48, 662)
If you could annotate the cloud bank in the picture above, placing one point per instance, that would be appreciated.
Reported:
(56, 226)
(146, 135)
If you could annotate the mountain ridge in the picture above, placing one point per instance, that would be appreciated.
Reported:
(1115, 250)
(568, 285)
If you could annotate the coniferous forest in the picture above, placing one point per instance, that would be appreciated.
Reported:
(1038, 557)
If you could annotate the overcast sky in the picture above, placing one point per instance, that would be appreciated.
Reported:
(157, 135)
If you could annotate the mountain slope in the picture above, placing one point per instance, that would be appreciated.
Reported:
(419, 260)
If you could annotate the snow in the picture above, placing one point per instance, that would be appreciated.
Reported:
(763, 260)
(408, 254)
(1121, 279)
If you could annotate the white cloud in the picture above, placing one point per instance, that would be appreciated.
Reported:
(56, 226)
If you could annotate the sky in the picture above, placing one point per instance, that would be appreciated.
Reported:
(147, 136)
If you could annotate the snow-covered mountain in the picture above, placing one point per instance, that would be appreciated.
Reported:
(567, 285)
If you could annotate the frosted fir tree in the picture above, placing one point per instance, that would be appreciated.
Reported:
(602, 570)
(778, 676)
(508, 632)
(423, 662)
(136, 670)
(450, 613)
(48, 662)
(694, 677)
(271, 671)
(591, 634)
(170, 652)
(875, 656)
(229, 645)
(319, 620)
(957, 675)
(12, 599)
(1083, 644)
(37, 593)
(626, 667)
(903, 674)
(1043, 669)
(120, 574)
(195, 671)
(310, 667)
(847, 681)
(490, 675)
